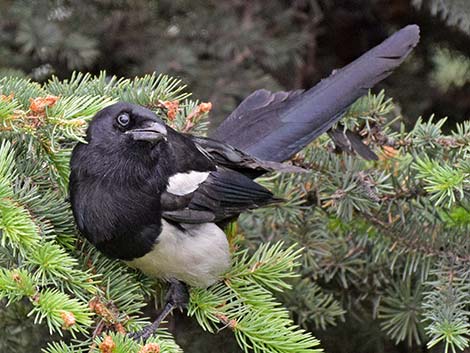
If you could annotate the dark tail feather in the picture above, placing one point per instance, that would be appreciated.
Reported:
(350, 142)
(275, 126)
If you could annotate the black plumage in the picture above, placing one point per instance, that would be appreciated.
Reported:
(118, 184)
(296, 118)
(140, 190)
(350, 142)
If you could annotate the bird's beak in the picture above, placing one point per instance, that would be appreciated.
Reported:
(152, 132)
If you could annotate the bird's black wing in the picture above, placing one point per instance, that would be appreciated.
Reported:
(222, 195)
(275, 126)
(210, 181)
(232, 158)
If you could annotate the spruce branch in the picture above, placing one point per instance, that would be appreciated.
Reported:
(115, 343)
(311, 304)
(269, 266)
(445, 307)
(372, 234)
(244, 303)
(373, 231)
(445, 183)
(16, 284)
(60, 311)
(401, 312)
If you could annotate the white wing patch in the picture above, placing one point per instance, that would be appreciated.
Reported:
(185, 183)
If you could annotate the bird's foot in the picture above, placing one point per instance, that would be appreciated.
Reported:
(177, 297)
(145, 333)
(178, 294)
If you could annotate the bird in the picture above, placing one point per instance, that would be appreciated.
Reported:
(158, 199)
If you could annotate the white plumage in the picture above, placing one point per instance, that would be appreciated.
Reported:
(198, 256)
(185, 183)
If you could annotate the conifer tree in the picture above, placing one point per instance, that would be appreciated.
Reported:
(384, 241)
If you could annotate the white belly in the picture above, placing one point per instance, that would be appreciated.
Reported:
(198, 256)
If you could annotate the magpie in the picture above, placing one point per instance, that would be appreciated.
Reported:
(157, 199)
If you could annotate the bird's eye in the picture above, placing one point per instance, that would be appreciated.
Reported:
(123, 119)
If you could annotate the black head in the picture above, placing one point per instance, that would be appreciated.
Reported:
(124, 124)
(125, 144)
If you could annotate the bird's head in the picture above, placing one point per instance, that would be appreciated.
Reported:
(125, 141)
(124, 125)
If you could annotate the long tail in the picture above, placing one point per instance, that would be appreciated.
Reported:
(275, 126)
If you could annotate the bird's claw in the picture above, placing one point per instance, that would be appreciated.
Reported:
(142, 335)
(177, 297)
(178, 294)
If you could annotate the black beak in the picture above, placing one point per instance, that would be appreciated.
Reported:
(152, 132)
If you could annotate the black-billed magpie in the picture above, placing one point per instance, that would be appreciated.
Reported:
(155, 198)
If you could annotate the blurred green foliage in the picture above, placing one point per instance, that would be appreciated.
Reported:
(360, 279)
(226, 49)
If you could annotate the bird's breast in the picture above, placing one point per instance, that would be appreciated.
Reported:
(197, 254)
(122, 222)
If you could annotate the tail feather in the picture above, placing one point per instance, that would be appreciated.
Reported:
(275, 126)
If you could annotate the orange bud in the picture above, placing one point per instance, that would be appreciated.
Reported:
(171, 107)
(93, 303)
(205, 107)
(389, 152)
(119, 328)
(108, 345)
(68, 318)
(150, 348)
(8, 98)
(38, 105)
(100, 308)
(233, 324)
(222, 317)
(16, 277)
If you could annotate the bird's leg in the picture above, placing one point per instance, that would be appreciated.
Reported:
(177, 294)
(176, 297)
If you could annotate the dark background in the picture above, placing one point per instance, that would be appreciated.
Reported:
(225, 49)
